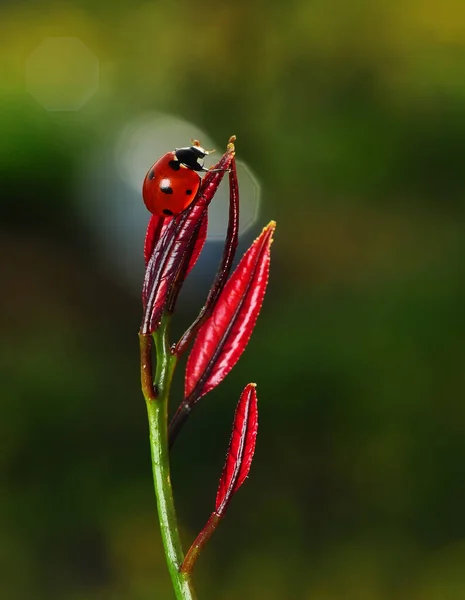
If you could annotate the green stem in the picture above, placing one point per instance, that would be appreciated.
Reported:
(156, 397)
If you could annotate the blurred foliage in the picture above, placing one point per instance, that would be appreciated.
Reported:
(353, 117)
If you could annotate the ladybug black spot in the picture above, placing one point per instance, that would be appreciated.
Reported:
(175, 165)
(151, 174)
(166, 189)
(168, 213)
(188, 192)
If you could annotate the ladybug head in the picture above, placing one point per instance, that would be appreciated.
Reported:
(190, 156)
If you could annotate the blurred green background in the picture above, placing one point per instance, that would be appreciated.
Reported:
(352, 116)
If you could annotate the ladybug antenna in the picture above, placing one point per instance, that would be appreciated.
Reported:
(196, 143)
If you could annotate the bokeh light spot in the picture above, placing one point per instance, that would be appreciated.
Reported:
(62, 74)
(146, 139)
(110, 188)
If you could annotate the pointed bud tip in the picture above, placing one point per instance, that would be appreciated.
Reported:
(268, 231)
(230, 147)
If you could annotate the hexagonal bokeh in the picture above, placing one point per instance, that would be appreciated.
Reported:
(62, 74)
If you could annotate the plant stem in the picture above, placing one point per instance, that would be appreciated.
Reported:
(156, 397)
(199, 543)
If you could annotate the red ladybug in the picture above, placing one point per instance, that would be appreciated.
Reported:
(172, 182)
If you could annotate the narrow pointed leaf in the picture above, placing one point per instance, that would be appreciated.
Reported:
(227, 260)
(154, 232)
(170, 251)
(199, 242)
(191, 255)
(222, 339)
(241, 448)
(237, 466)
(161, 240)
(156, 228)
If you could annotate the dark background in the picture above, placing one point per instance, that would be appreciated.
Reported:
(352, 118)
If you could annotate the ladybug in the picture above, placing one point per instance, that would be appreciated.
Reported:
(173, 181)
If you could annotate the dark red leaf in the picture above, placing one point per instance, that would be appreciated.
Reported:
(241, 448)
(155, 263)
(199, 242)
(155, 230)
(222, 339)
(169, 253)
(193, 251)
(227, 260)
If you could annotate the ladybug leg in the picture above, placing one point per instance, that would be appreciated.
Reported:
(198, 167)
(204, 169)
(210, 170)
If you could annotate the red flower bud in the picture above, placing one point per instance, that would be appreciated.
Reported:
(224, 336)
(241, 448)
(236, 468)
